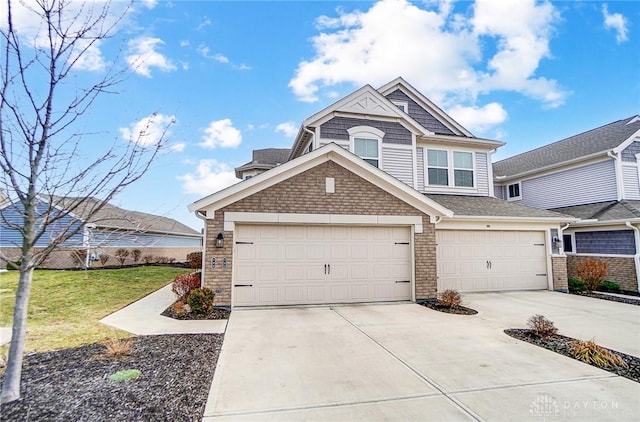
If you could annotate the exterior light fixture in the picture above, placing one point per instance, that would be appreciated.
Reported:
(220, 240)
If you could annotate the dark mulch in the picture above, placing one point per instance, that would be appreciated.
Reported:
(74, 385)
(218, 313)
(628, 300)
(562, 344)
(458, 310)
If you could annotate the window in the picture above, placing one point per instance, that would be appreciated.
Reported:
(402, 105)
(367, 149)
(513, 191)
(567, 243)
(463, 169)
(438, 167)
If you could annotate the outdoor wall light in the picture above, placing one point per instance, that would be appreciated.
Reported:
(557, 243)
(220, 240)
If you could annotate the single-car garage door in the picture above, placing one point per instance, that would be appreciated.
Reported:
(469, 260)
(295, 264)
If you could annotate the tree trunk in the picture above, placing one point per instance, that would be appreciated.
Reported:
(13, 373)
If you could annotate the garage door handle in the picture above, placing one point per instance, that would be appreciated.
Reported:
(329, 267)
(402, 243)
(403, 281)
(325, 268)
(243, 285)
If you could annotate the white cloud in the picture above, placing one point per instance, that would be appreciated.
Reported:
(205, 22)
(617, 22)
(210, 176)
(221, 133)
(148, 131)
(477, 118)
(450, 57)
(288, 128)
(143, 56)
(149, 4)
(178, 147)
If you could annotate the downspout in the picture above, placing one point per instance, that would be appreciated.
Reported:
(313, 135)
(204, 246)
(636, 256)
(619, 188)
(561, 235)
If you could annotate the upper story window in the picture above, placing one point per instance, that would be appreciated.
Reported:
(366, 143)
(449, 168)
(402, 105)
(513, 191)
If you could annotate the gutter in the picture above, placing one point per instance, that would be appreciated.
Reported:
(313, 135)
(636, 256)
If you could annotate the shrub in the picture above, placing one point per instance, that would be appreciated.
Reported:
(118, 347)
(576, 285)
(136, 254)
(592, 273)
(450, 299)
(104, 258)
(180, 308)
(183, 284)
(195, 260)
(201, 300)
(541, 326)
(121, 255)
(594, 354)
(148, 259)
(79, 256)
(610, 286)
(161, 259)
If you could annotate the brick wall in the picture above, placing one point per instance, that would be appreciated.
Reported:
(559, 271)
(621, 270)
(305, 193)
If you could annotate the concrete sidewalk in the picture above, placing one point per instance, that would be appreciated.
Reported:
(143, 317)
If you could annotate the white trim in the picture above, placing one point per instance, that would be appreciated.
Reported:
(600, 254)
(232, 218)
(515, 198)
(414, 160)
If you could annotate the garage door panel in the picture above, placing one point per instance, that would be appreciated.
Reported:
(491, 260)
(321, 264)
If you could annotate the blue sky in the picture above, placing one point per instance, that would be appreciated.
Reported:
(235, 76)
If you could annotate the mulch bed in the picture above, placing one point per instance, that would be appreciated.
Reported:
(562, 345)
(627, 300)
(218, 313)
(458, 310)
(74, 385)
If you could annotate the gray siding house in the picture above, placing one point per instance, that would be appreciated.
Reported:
(593, 176)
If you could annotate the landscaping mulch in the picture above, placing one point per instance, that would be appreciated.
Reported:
(74, 385)
(458, 310)
(562, 345)
(620, 299)
(218, 313)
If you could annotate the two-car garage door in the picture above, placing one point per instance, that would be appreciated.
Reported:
(305, 264)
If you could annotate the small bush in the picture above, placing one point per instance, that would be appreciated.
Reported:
(594, 354)
(118, 347)
(136, 254)
(162, 260)
(195, 260)
(450, 299)
(183, 284)
(610, 286)
(104, 258)
(180, 308)
(79, 256)
(592, 273)
(576, 285)
(148, 259)
(541, 326)
(121, 255)
(201, 300)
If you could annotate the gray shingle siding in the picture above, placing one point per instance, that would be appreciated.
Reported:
(394, 133)
(419, 114)
(610, 242)
(629, 153)
(582, 185)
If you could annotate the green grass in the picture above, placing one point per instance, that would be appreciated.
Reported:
(65, 306)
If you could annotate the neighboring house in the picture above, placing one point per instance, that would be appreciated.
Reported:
(109, 229)
(262, 160)
(384, 198)
(594, 176)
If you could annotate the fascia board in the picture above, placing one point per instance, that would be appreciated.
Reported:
(518, 219)
(445, 139)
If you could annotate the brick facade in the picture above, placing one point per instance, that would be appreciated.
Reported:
(305, 193)
(621, 270)
(559, 271)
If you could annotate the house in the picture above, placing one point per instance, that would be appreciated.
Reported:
(262, 160)
(158, 238)
(593, 176)
(384, 197)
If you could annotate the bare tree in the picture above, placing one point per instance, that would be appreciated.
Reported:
(45, 157)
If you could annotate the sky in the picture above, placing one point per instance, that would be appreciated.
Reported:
(226, 77)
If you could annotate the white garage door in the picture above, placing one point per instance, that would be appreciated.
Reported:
(283, 265)
(491, 260)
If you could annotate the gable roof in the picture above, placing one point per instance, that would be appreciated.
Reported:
(330, 152)
(588, 144)
(265, 159)
(608, 211)
(493, 208)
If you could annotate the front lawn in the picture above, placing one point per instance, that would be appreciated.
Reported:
(65, 306)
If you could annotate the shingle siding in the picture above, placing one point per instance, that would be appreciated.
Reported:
(336, 128)
(582, 185)
(420, 115)
(609, 242)
(629, 153)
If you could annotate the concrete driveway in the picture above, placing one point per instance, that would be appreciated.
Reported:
(406, 362)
